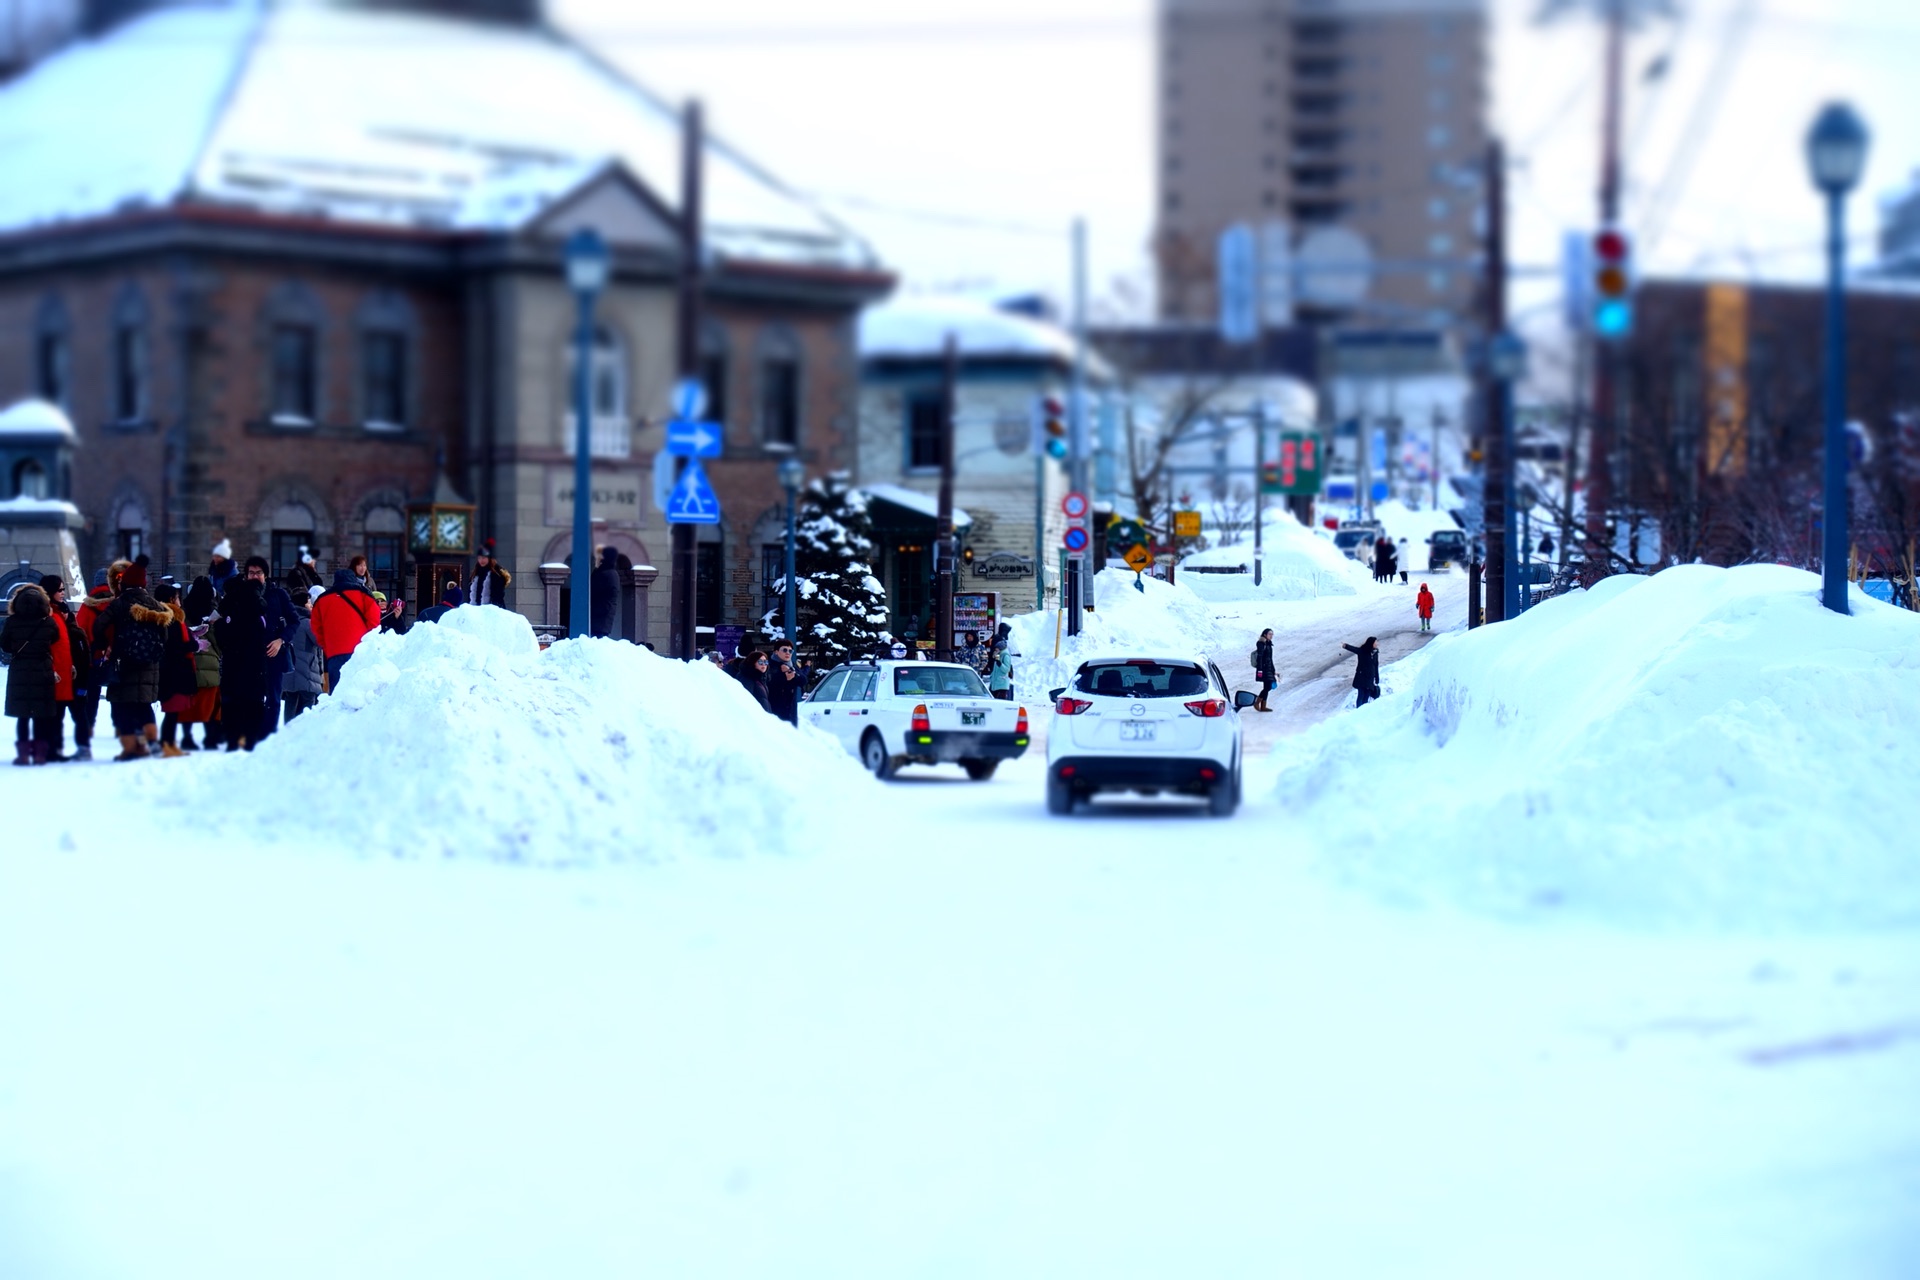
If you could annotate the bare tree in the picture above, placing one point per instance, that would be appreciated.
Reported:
(1231, 516)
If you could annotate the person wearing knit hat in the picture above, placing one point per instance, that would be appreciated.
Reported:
(73, 661)
(304, 576)
(221, 570)
(133, 626)
(306, 681)
(490, 579)
(32, 641)
(99, 577)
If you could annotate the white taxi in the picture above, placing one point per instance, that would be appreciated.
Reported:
(1146, 725)
(891, 713)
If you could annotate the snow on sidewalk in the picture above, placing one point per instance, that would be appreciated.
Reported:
(1704, 746)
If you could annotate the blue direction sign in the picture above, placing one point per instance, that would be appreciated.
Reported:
(687, 438)
(692, 500)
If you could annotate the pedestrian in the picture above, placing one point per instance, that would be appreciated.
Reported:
(1423, 604)
(77, 692)
(178, 677)
(604, 602)
(199, 605)
(307, 680)
(784, 684)
(220, 570)
(133, 634)
(280, 619)
(1262, 659)
(970, 652)
(341, 617)
(1366, 673)
(450, 599)
(751, 671)
(241, 629)
(393, 614)
(1000, 672)
(303, 577)
(490, 581)
(32, 641)
(1401, 561)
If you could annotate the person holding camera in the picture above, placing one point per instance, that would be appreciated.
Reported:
(784, 684)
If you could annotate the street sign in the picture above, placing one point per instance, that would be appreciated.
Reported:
(1075, 539)
(693, 500)
(1122, 534)
(1138, 558)
(690, 438)
(1075, 505)
(1238, 258)
(663, 463)
(1295, 469)
(1186, 524)
(689, 398)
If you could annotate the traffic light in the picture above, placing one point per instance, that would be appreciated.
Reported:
(1612, 284)
(1052, 435)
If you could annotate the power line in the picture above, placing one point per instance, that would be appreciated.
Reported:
(1680, 168)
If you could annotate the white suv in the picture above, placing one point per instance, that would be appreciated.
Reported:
(891, 714)
(1147, 725)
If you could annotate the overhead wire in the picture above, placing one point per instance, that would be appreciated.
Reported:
(1699, 124)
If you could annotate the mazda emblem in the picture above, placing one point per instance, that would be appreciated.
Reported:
(1139, 709)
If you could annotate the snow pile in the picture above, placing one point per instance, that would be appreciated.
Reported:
(1702, 746)
(1162, 622)
(462, 738)
(916, 328)
(1298, 564)
(1402, 521)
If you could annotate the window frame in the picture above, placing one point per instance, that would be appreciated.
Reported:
(912, 434)
(305, 379)
(390, 391)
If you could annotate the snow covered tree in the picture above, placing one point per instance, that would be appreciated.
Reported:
(840, 607)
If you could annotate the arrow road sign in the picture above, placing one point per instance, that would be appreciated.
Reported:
(687, 438)
(693, 500)
(1075, 539)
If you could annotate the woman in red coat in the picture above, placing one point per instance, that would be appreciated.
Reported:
(1425, 606)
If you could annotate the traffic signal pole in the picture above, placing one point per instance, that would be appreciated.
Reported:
(1605, 353)
(945, 553)
(1082, 581)
(682, 632)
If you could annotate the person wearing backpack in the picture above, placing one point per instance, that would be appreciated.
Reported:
(341, 618)
(29, 639)
(1262, 660)
(135, 627)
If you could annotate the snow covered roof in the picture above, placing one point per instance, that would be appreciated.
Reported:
(314, 109)
(917, 328)
(913, 500)
(37, 418)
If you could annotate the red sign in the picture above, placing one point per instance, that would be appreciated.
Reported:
(1286, 463)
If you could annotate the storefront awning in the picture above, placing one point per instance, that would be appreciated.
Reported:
(894, 506)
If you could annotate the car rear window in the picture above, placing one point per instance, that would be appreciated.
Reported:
(939, 682)
(1142, 680)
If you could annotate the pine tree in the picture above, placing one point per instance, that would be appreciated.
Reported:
(840, 607)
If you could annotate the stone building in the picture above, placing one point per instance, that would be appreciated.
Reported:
(1009, 498)
(312, 295)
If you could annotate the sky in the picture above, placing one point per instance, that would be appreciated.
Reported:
(964, 138)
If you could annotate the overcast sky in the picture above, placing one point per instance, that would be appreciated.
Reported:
(962, 138)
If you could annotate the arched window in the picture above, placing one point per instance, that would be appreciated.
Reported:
(610, 431)
(714, 370)
(30, 479)
(292, 529)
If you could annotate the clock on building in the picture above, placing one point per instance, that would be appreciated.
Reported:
(441, 528)
(452, 530)
(421, 525)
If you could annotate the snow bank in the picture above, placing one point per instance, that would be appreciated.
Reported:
(462, 738)
(1299, 564)
(1402, 521)
(1163, 621)
(1702, 746)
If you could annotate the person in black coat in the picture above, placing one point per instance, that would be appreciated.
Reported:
(604, 604)
(281, 620)
(135, 685)
(784, 684)
(751, 671)
(28, 639)
(1366, 673)
(1263, 669)
(240, 628)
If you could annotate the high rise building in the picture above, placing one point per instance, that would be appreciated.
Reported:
(1364, 114)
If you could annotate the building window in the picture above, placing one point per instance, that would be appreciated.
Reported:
(50, 365)
(610, 433)
(30, 480)
(1440, 246)
(293, 373)
(131, 542)
(1436, 282)
(773, 571)
(383, 563)
(1439, 137)
(924, 411)
(714, 369)
(780, 392)
(383, 373)
(708, 570)
(129, 373)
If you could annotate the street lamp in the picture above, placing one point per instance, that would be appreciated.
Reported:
(1507, 361)
(587, 268)
(791, 474)
(1836, 153)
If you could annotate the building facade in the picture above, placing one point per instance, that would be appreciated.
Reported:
(1297, 115)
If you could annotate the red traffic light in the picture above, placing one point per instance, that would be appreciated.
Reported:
(1610, 247)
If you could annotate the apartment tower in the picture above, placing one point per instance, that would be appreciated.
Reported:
(1294, 115)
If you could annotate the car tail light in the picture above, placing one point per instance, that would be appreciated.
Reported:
(1071, 706)
(1020, 725)
(920, 722)
(1208, 707)
(1206, 775)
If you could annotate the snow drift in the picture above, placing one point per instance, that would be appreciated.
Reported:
(462, 738)
(1298, 564)
(1163, 621)
(1702, 746)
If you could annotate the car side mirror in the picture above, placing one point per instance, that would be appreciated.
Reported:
(1053, 695)
(1243, 699)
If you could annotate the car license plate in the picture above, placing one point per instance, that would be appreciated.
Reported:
(1130, 732)
(973, 717)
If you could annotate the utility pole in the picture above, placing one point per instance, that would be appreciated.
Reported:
(682, 632)
(1498, 465)
(1082, 580)
(944, 552)
(1433, 467)
(1606, 358)
(1259, 487)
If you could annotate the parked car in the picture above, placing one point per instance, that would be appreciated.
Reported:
(890, 714)
(1445, 547)
(1146, 725)
(1356, 544)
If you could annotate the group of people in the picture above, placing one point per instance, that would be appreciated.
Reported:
(1387, 558)
(233, 651)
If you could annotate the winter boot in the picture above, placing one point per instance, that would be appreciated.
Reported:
(186, 738)
(130, 748)
(23, 753)
(171, 752)
(83, 752)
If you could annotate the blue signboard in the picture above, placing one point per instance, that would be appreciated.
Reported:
(687, 438)
(1238, 259)
(692, 500)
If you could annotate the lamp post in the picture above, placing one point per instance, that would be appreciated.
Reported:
(1836, 153)
(791, 474)
(1507, 361)
(586, 275)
